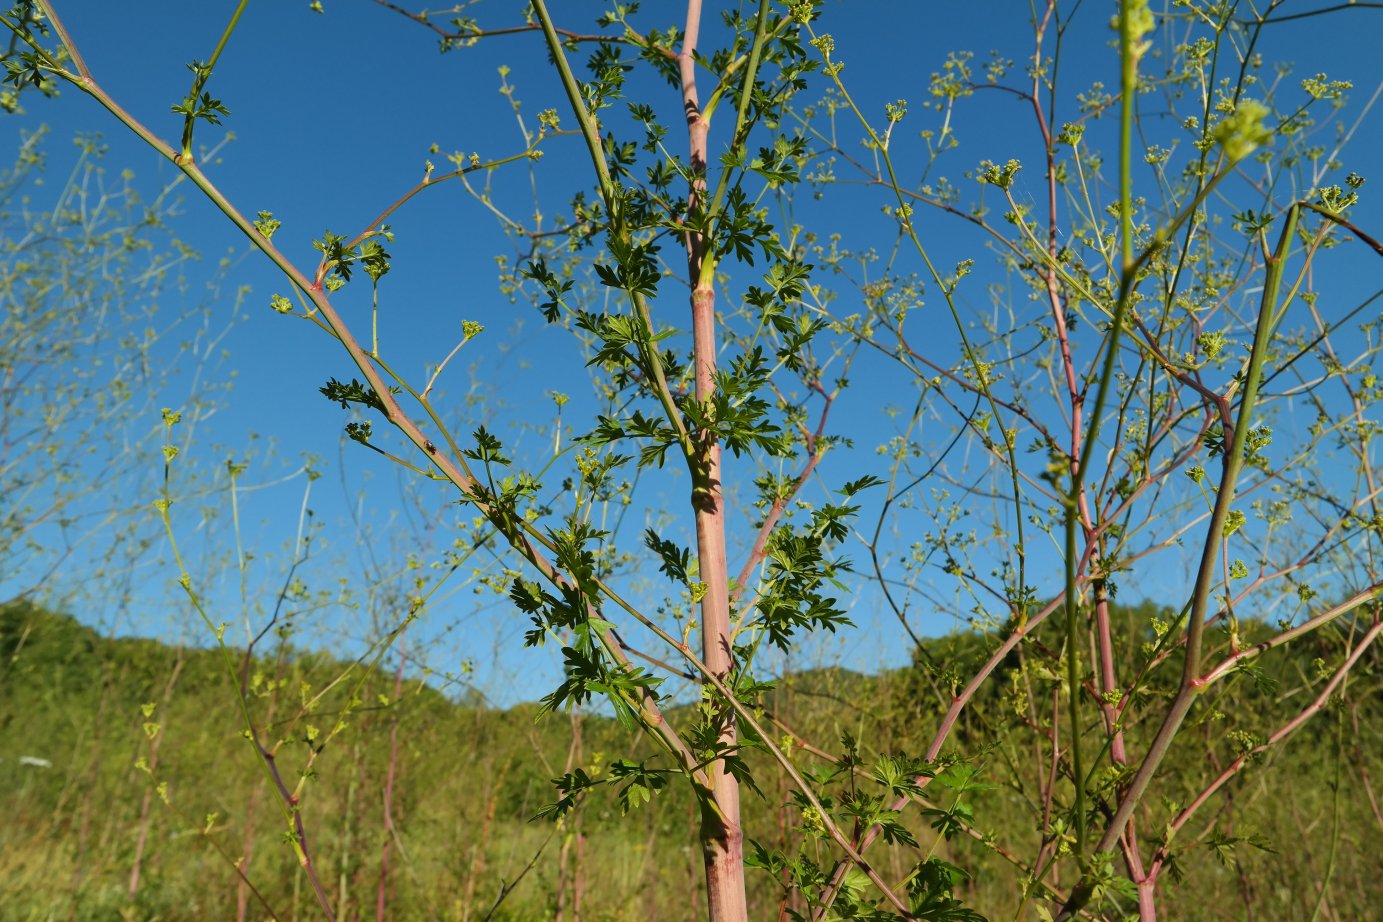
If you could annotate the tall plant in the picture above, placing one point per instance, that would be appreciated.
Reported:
(1087, 451)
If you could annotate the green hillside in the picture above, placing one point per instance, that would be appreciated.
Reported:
(458, 831)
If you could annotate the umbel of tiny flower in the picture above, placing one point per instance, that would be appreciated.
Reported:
(1242, 131)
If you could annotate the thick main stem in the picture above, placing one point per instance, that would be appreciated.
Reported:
(722, 837)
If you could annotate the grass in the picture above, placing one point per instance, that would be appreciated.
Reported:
(470, 779)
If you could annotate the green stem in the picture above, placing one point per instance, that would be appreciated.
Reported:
(740, 133)
(199, 80)
(1128, 82)
(225, 36)
(589, 129)
(1191, 681)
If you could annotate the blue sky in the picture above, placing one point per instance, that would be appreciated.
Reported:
(334, 116)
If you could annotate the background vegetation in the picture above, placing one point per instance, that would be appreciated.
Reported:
(469, 780)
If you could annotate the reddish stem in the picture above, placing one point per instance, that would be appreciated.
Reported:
(381, 892)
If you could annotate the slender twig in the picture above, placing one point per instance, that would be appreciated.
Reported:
(478, 33)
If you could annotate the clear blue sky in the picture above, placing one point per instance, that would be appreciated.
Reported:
(333, 117)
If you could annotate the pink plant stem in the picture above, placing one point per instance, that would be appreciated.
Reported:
(1104, 641)
(722, 837)
(575, 755)
(1048, 784)
(1147, 899)
(1118, 754)
(290, 802)
(775, 512)
(242, 884)
(242, 888)
(578, 883)
(381, 893)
